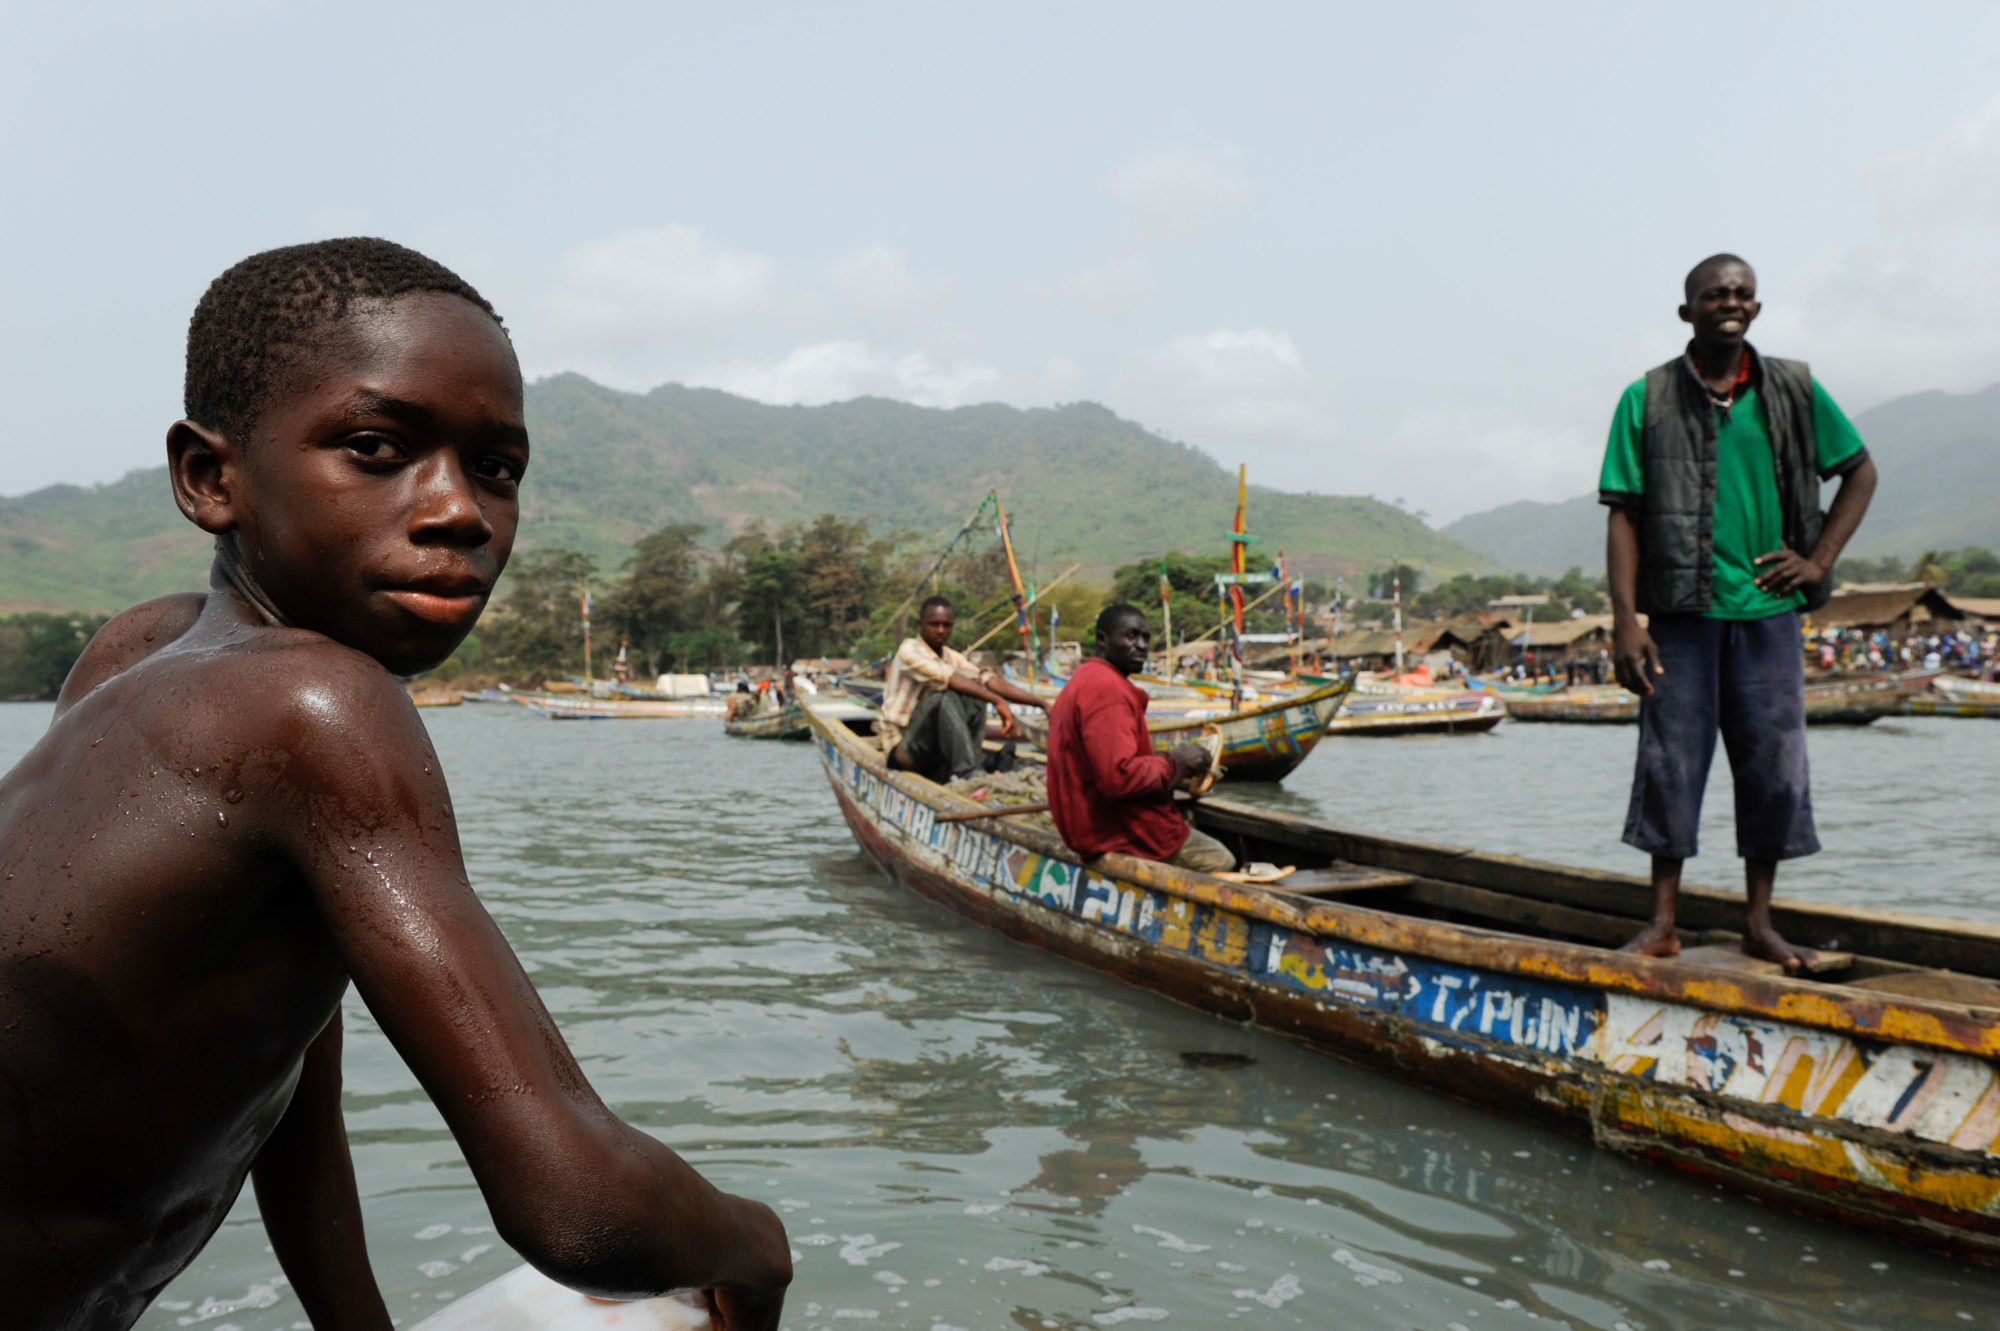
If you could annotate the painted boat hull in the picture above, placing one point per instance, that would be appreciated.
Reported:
(791, 723)
(1262, 743)
(1259, 743)
(1856, 703)
(1872, 1109)
(1941, 706)
(788, 722)
(576, 707)
(526, 1300)
(1859, 703)
(1954, 689)
(1595, 706)
(1449, 714)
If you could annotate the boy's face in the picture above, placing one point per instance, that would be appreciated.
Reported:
(377, 500)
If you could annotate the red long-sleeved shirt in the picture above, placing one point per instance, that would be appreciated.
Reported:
(1108, 790)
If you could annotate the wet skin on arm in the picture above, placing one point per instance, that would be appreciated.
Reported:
(230, 820)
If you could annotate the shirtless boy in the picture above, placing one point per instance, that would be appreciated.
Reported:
(236, 813)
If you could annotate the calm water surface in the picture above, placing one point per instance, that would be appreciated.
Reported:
(964, 1133)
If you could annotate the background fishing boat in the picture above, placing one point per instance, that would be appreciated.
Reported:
(1865, 1092)
(789, 721)
(582, 707)
(1260, 742)
(1853, 702)
(1832, 703)
(433, 698)
(1455, 713)
(1951, 695)
(1960, 690)
(1587, 704)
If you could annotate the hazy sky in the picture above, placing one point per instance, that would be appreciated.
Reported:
(1410, 251)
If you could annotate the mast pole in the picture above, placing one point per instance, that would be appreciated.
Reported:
(1014, 572)
(1396, 578)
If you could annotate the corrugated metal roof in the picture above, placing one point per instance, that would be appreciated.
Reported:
(1875, 605)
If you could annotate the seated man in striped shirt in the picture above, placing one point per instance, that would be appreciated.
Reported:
(934, 710)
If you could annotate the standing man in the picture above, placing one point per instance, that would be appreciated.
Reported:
(933, 718)
(1108, 789)
(1712, 476)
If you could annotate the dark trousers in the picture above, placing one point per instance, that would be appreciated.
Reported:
(1743, 678)
(944, 736)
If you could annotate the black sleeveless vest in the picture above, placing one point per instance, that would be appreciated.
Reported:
(1677, 450)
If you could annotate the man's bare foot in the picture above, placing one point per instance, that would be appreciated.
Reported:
(1657, 940)
(1766, 945)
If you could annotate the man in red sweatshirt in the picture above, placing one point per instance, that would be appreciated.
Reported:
(1108, 789)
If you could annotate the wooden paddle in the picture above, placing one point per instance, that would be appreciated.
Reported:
(991, 813)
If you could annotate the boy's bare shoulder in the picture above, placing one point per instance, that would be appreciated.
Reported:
(128, 638)
(235, 687)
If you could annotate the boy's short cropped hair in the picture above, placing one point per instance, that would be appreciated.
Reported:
(254, 320)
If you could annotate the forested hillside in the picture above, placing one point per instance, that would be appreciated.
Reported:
(1080, 484)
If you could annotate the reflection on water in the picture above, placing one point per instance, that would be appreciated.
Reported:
(965, 1133)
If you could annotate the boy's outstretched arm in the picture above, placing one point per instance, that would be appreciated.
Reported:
(362, 810)
(305, 1191)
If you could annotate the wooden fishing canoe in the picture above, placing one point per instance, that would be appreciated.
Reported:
(789, 722)
(1589, 704)
(1952, 688)
(577, 707)
(1419, 714)
(1867, 1093)
(1940, 705)
(1261, 742)
(526, 1300)
(1835, 703)
(1853, 702)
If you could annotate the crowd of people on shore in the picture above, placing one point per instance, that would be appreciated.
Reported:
(1963, 651)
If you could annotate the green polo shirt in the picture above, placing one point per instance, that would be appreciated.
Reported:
(1748, 521)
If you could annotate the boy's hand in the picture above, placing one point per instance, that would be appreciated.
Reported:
(741, 1310)
(755, 1306)
(1787, 571)
(1635, 658)
(1009, 727)
(1193, 758)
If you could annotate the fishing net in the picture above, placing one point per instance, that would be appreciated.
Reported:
(996, 789)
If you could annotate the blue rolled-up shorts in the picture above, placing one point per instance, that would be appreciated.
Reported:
(1743, 678)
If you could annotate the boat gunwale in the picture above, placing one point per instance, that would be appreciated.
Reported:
(1869, 1015)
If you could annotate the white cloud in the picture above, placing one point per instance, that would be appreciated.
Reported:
(1116, 285)
(876, 280)
(638, 286)
(838, 371)
(1173, 197)
(1228, 390)
(1459, 462)
(1909, 306)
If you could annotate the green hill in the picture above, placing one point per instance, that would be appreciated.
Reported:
(1079, 484)
(1939, 459)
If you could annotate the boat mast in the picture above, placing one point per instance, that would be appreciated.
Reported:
(586, 637)
(1239, 538)
(1022, 619)
(1396, 577)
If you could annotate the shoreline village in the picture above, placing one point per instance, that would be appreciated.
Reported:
(235, 839)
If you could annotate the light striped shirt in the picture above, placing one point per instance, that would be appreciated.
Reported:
(916, 672)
